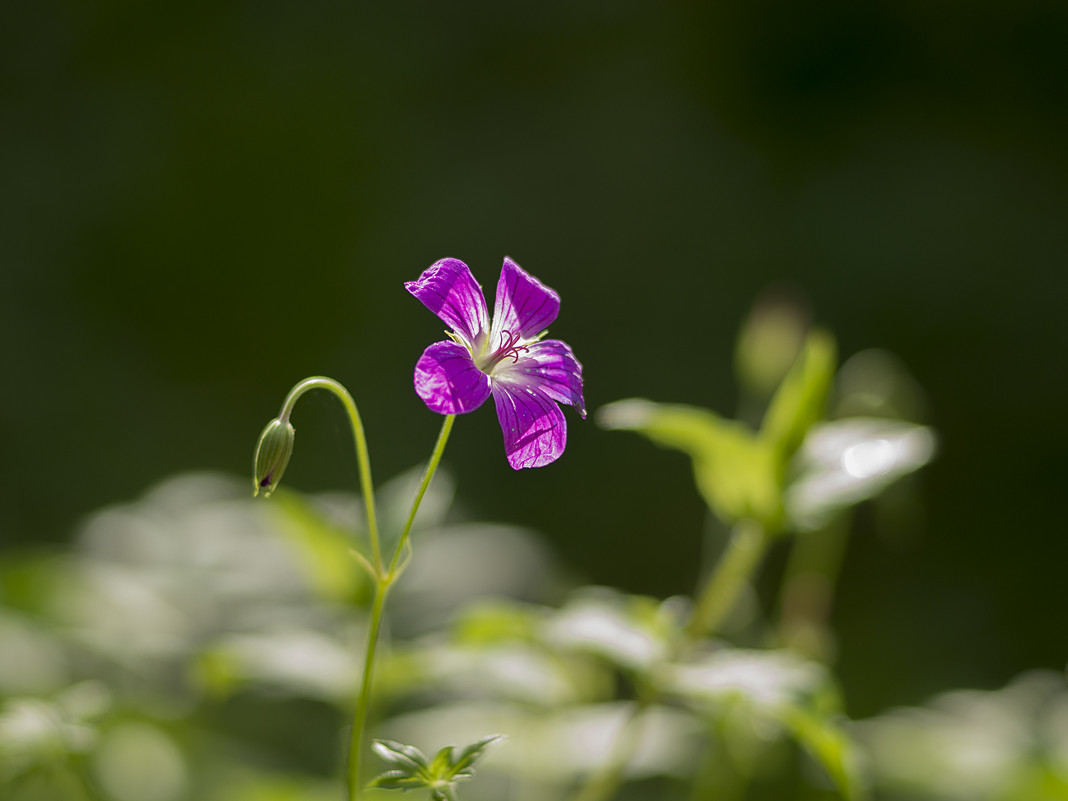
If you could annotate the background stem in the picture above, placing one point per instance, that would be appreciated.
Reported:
(746, 548)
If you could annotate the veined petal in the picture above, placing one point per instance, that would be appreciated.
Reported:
(550, 366)
(524, 306)
(448, 381)
(449, 290)
(535, 431)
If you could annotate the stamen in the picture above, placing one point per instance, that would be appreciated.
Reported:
(508, 347)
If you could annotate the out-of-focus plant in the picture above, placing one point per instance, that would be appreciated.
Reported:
(198, 647)
(971, 745)
(788, 477)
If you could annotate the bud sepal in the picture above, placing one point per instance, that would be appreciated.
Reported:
(272, 455)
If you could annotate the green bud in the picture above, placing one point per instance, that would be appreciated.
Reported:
(272, 456)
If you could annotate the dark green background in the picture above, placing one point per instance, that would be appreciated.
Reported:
(201, 203)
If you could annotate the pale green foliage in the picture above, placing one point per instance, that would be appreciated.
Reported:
(410, 769)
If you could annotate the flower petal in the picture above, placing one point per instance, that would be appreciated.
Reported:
(552, 367)
(448, 381)
(449, 290)
(524, 305)
(535, 431)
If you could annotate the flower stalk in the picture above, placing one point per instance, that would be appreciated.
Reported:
(272, 456)
(747, 546)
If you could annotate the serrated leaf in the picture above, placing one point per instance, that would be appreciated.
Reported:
(404, 756)
(801, 398)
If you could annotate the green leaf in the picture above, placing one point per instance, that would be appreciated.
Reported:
(398, 780)
(488, 621)
(737, 473)
(471, 753)
(801, 398)
(848, 461)
(404, 756)
(322, 550)
(832, 748)
(438, 776)
(441, 764)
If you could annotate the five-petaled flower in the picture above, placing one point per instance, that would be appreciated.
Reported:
(507, 358)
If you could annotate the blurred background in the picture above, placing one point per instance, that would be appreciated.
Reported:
(203, 203)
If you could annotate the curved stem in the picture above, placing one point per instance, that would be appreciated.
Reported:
(366, 484)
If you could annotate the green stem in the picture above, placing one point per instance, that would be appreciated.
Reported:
(431, 467)
(384, 579)
(747, 546)
(808, 588)
(359, 717)
(366, 484)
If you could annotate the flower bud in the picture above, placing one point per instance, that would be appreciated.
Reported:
(272, 456)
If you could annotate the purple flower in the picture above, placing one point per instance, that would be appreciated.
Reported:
(505, 358)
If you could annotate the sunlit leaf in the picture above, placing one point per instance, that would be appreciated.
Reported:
(979, 745)
(736, 473)
(322, 548)
(848, 461)
(496, 620)
(405, 757)
(621, 628)
(801, 398)
(830, 745)
(412, 769)
(765, 680)
(473, 752)
(778, 687)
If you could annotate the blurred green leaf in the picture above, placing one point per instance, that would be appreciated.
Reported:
(801, 398)
(768, 343)
(847, 461)
(778, 687)
(997, 745)
(737, 473)
(632, 632)
(830, 745)
(323, 549)
(495, 620)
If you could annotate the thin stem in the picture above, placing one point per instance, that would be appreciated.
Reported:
(431, 468)
(384, 579)
(366, 484)
(808, 588)
(359, 718)
(746, 548)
